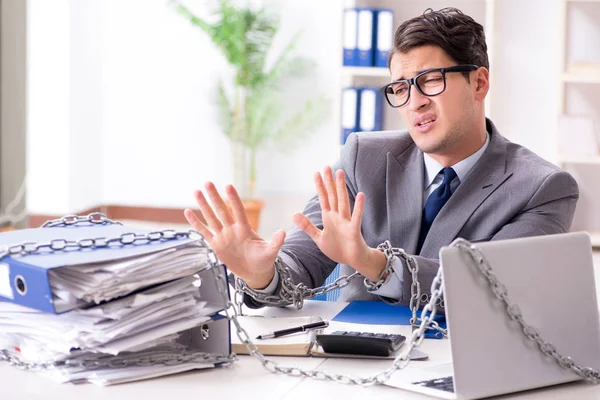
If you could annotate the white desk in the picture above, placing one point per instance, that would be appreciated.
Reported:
(247, 379)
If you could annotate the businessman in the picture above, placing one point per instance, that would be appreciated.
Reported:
(450, 174)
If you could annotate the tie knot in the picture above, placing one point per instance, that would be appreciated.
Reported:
(449, 174)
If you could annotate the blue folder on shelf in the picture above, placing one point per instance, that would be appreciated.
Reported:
(349, 112)
(381, 313)
(370, 114)
(365, 37)
(350, 37)
(26, 279)
(384, 33)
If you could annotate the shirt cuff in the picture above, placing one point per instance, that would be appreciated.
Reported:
(392, 288)
(271, 287)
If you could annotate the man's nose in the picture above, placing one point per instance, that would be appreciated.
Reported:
(417, 100)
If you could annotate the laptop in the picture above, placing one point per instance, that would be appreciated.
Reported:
(551, 278)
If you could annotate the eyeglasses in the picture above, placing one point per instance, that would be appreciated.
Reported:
(429, 83)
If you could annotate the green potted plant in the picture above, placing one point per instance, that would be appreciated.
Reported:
(253, 111)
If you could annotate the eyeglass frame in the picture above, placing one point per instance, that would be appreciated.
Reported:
(413, 81)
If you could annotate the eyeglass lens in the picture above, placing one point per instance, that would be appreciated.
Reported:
(431, 84)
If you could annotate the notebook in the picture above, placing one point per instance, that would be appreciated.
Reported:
(380, 313)
(297, 344)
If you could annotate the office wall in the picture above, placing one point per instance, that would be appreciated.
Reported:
(12, 101)
(526, 69)
(161, 131)
(48, 85)
(124, 92)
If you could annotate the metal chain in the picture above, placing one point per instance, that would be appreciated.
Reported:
(92, 361)
(514, 312)
(96, 218)
(295, 294)
(291, 293)
(169, 358)
(427, 321)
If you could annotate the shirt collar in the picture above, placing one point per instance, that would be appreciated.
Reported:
(462, 168)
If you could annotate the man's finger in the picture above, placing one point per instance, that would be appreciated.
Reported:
(219, 204)
(197, 224)
(239, 212)
(357, 213)
(330, 186)
(321, 192)
(277, 240)
(308, 227)
(342, 194)
(207, 212)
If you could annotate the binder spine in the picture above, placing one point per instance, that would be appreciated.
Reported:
(350, 107)
(384, 28)
(371, 110)
(210, 337)
(365, 37)
(29, 286)
(350, 37)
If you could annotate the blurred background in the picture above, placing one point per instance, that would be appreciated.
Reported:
(128, 106)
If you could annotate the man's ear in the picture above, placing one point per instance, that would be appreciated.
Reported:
(482, 83)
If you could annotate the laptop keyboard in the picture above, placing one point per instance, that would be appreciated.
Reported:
(446, 384)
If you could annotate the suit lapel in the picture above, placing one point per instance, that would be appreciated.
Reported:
(404, 190)
(487, 175)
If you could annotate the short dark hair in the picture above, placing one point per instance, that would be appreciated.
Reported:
(459, 35)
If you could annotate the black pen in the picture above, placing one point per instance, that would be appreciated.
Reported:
(289, 331)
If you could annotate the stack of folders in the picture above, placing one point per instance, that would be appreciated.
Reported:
(102, 304)
(367, 36)
(362, 110)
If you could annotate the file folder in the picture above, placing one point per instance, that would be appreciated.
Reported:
(370, 110)
(384, 21)
(350, 37)
(26, 280)
(381, 313)
(170, 320)
(365, 41)
(349, 112)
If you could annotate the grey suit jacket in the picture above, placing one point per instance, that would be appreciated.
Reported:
(509, 193)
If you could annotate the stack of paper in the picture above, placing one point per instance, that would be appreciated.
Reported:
(97, 282)
(136, 311)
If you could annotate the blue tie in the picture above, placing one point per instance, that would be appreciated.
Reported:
(434, 204)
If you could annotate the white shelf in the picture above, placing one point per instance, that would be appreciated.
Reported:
(595, 238)
(580, 78)
(366, 71)
(583, 1)
(579, 160)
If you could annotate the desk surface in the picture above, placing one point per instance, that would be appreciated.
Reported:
(247, 379)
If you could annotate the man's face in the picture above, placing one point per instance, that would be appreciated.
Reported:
(444, 126)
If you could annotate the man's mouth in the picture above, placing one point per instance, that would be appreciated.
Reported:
(426, 122)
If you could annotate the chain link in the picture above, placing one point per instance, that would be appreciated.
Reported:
(96, 218)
